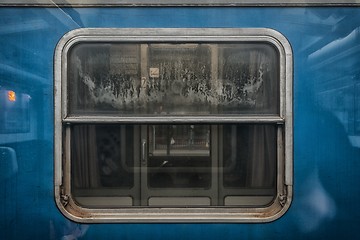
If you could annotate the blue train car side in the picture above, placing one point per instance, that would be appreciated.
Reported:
(325, 45)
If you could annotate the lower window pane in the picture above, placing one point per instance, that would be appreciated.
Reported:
(173, 165)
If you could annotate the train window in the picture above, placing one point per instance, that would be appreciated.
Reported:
(173, 125)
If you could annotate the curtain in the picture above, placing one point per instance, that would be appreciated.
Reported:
(249, 156)
(85, 173)
(262, 159)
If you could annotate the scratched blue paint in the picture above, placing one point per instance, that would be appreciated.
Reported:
(326, 46)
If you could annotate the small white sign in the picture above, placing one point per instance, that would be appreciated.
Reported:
(154, 72)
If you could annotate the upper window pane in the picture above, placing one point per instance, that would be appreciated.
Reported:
(173, 79)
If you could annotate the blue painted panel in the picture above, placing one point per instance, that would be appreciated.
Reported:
(326, 45)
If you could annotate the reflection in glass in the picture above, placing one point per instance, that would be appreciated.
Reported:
(222, 163)
(179, 156)
(102, 156)
(172, 140)
(249, 156)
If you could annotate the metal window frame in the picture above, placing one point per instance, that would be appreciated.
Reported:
(63, 120)
(134, 3)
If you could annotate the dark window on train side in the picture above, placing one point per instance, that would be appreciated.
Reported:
(178, 124)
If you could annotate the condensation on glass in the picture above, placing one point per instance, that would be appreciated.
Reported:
(173, 79)
(176, 127)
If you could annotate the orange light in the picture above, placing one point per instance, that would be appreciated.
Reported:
(11, 96)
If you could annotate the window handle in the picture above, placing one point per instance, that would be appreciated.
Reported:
(143, 152)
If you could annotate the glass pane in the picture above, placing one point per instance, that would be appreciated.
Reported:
(172, 140)
(249, 156)
(102, 158)
(130, 165)
(173, 79)
(179, 156)
(249, 78)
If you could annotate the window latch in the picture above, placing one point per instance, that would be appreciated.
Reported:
(143, 151)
